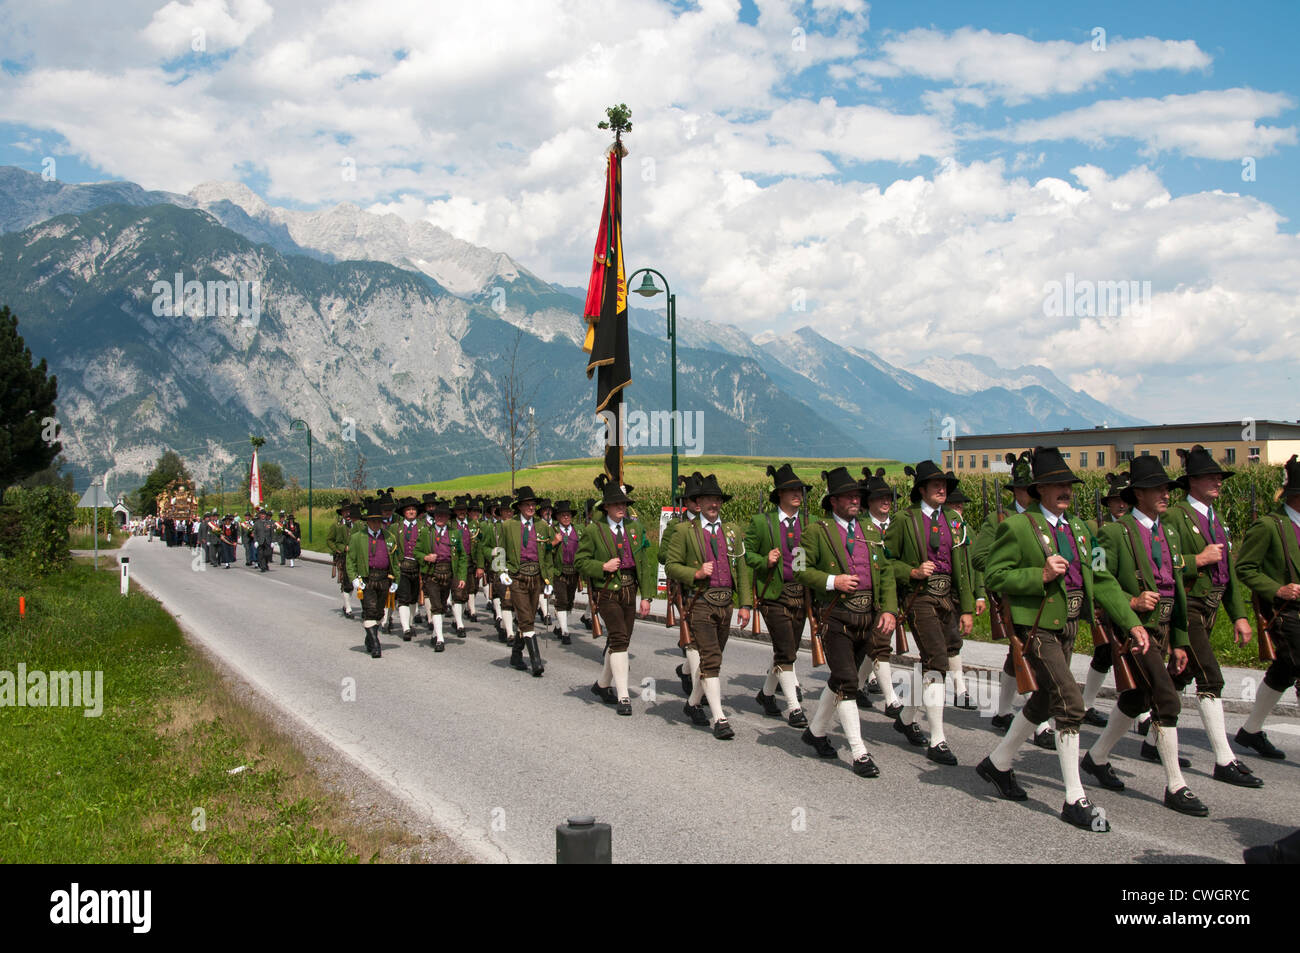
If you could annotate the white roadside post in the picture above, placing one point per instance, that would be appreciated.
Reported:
(126, 573)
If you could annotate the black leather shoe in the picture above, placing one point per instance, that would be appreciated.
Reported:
(873, 686)
(625, 706)
(1046, 739)
(406, 635)
(1086, 815)
(564, 639)
(963, 701)
(378, 650)
(1104, 773)
(1002, 722)
(1234, 772)
(585, 620)
(439, 645)
(864, 767)
(696, 714)
(685, 676)
(349, 614)
(1258, 742)
(460, 632)
(722, 731)
(605, 694)
(823, 747)
(534, 655)
(1094, 718)
(1152, 753)
(517, 656)
(894, 710)
(798, 719)
(370, 641)
(768, 704)
(863, 700)
(1004, 781)
(913, 733)
(388, 627)
(1142, 727)
(941, 753)
(1185, 802)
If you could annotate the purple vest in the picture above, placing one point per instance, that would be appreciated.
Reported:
(1219, 571)
(789, 542)
(624, 548)
(409, 535)
(378, 551)
(1164, 576)
(528, 551)
(941, 557)
(568, 546)
(721, 576)
(860, 558)
(1073, 575)
(441, 544)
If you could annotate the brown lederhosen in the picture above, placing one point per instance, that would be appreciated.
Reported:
(1285, 669)
(710, 624)
(438, 585)
(933, 620)
(341, 571)
(525, 588)
(566, 587)
(1048, 655)
(785, 617)
(1201, 663)
(408, 582)
(471, 580)
(375, 596)
(1155, 688)
(618, 610)
(846, 638)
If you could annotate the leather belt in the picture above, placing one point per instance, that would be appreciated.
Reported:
(938, 585)
(717, 597)
(408, 562)
(1165, 610)
(529, 569)
(859, 601)
(1213, 598)
(1073, 603)
(792, 590)
(627, 577)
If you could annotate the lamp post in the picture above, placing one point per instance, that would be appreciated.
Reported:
(649, 289)
(307, 427)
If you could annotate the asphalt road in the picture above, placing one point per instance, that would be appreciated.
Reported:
(497, 758)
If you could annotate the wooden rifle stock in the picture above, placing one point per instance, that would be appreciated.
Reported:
(1119, 651)
(814, 630)
(670, 618)
(1267, 650)
(683, 627)
(1025, 681)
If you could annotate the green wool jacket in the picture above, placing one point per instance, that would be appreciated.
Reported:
(670, 528)
(556, 543)
(1181, 519)
(1015, 569)
(336, 540)
(426, 544)
(825, 556)
(1270, 558)
(511, 535)
(1120, 540)
(762, 537)
(685, 556)
(596, 546)
(906, 541)
(489, 538)
(358, 561)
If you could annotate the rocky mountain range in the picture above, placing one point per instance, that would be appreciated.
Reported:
(396, 340)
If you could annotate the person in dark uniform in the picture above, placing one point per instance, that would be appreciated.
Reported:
(336, 541)
(372, 563)
(292, 539)
(407, 533)
(262, 533)
(444, 566)
(564, 547)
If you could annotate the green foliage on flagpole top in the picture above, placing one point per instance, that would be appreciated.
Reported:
(256, 441)
(618, 120)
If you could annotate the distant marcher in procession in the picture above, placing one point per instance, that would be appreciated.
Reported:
(689, 671)
(565, 545)
(407, 533)
(1269, 565)
(772, 542)
(1041, 562)
(876, 674)
(246, 533)
(372, 563)
(474, 523)
(263, 529)
(229, 539)
(292, 539)
(854, 584)
(1102, 660)
(1210, 580)
(930, 545)
(614, 553)
(707, 559)
(336, 541)
(957, 500)
(466, 544)
(545, 512)
(526, 542)
(443, 564)
(1145, 559)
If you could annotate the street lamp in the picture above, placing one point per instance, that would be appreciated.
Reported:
(649, 289)
(305, 426)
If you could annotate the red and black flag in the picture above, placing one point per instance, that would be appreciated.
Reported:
(606, 316)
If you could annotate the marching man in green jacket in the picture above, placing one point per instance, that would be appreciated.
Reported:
(1144, 557)
(1210, 579)
(373, 565)
(1270, 565)
(526, 542)
(707, 559)
(440, 552)
(1041, 561)
(614, 554)
(336, 541)
(689, 672)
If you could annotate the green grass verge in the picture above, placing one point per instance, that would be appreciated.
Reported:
(132, 785)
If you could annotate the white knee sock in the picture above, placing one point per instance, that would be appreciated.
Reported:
(541, 605)
(1067, 752)
(790, 689)
(770, 683)
(1265, 699)
(821, 720)
(563, 616)
(457, 616)
(496, 606)
(958, 677)
(693, 668)
(851, 722)
(864, 673)
(1143, 718)
(1092, 686)
(437, 626)
(384, 620)
(932, 698)
(1212, 718)
(508, 621)
(404, 617)
(606, 673)
(1039, 729)
(1005, 752)
(1006, 693)
(713, 692)
(885, 677)
(347, 602)
(1116, 725)
(618, 665)
(1167, 745)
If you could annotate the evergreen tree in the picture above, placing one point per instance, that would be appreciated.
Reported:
(27, 395)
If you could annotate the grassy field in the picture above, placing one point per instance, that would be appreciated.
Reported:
(149, 780)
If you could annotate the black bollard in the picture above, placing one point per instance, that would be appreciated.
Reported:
(582, 841)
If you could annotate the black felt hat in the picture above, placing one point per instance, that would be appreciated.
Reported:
(923, 473)
(955, 495)
(562, 506)
(611, 492)
(784, 478)
(708, 486)
(1291, 481)
(839, 481)
(1115, 482)
(875, 483)
(1144, 473)
(1199, 462)
(523, 495)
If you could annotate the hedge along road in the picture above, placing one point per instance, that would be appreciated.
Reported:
(497, 758)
